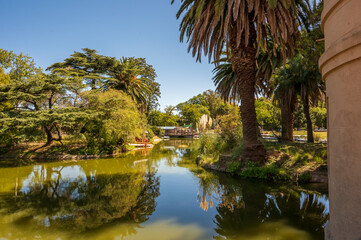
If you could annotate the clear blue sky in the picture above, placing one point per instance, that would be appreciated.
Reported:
(49, 31)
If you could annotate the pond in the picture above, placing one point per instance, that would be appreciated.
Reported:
(153, 194)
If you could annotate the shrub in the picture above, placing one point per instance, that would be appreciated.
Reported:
(118, 121)
(209, 144)
(270, 173)
(237, 151)
(318, 159)
(301, 158)
(157, 131)
(304, 177)
(234, 167)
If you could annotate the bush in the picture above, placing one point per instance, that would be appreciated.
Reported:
(301, 158)
(118, 121)
(269, 173)
(234, 167)
(230, 129)
(209, 144)
(318, 159)
(157, 131)
(304, 177)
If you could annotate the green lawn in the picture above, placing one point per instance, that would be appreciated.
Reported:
(318, 135)
(303, 133)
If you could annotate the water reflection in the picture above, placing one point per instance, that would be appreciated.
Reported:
(245, 209)
(158, 194)
(77, 200)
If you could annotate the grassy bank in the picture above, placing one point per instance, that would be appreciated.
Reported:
(297, 162)
(68, 150)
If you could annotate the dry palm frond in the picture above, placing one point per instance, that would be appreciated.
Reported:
(206, 24)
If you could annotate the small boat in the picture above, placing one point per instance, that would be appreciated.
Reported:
(141, 145)
(166, 138)
(196, 136)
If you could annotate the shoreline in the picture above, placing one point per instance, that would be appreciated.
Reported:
(313, 175)
(46, 155)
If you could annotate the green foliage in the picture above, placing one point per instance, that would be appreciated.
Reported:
(299, 116)
(37, 106)
(158, 118)
(269, 173)
(304, 177)
(131, 75)
(4, 80)
(268, 115)
(135, 77)
(234, 167)
(230, 128)
(157, 131)
(209, 145)
(318, 159)
(302, 158)
(208, 103)
(191, 113)
(119, 120)
(319, 117)
(36, 103)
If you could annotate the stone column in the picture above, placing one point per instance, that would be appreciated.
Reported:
(341, 69)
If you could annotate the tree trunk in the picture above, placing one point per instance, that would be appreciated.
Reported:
(287, 124)
(306, 110)
(49, 135)
(243, 59)
(287, 118)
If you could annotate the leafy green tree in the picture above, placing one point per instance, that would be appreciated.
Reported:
(158, 118)
(118, 121)
(170, 109)
(268, 115)
(4, 80)
(191, 113)
(244, 27)
(319, 117)
(230, 128)
(87, 65)
(132, 75)
(216, 106)
(38, 108)
(38, 103)
(301, 75)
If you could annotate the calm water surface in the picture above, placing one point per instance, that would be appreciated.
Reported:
(155, 194)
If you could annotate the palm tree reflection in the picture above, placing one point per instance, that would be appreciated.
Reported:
(243, 206)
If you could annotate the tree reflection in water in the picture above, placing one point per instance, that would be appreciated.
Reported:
(245, 207)
(244, 210)
(82, 204)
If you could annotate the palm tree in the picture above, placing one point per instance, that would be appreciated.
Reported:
(295, 79)
(285, 96)
(135, 77)
(243, 27)
(301, 75)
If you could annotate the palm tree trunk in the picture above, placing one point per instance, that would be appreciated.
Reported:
(287, 124)
(306, 110)
(243, 59)
(288, 106)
